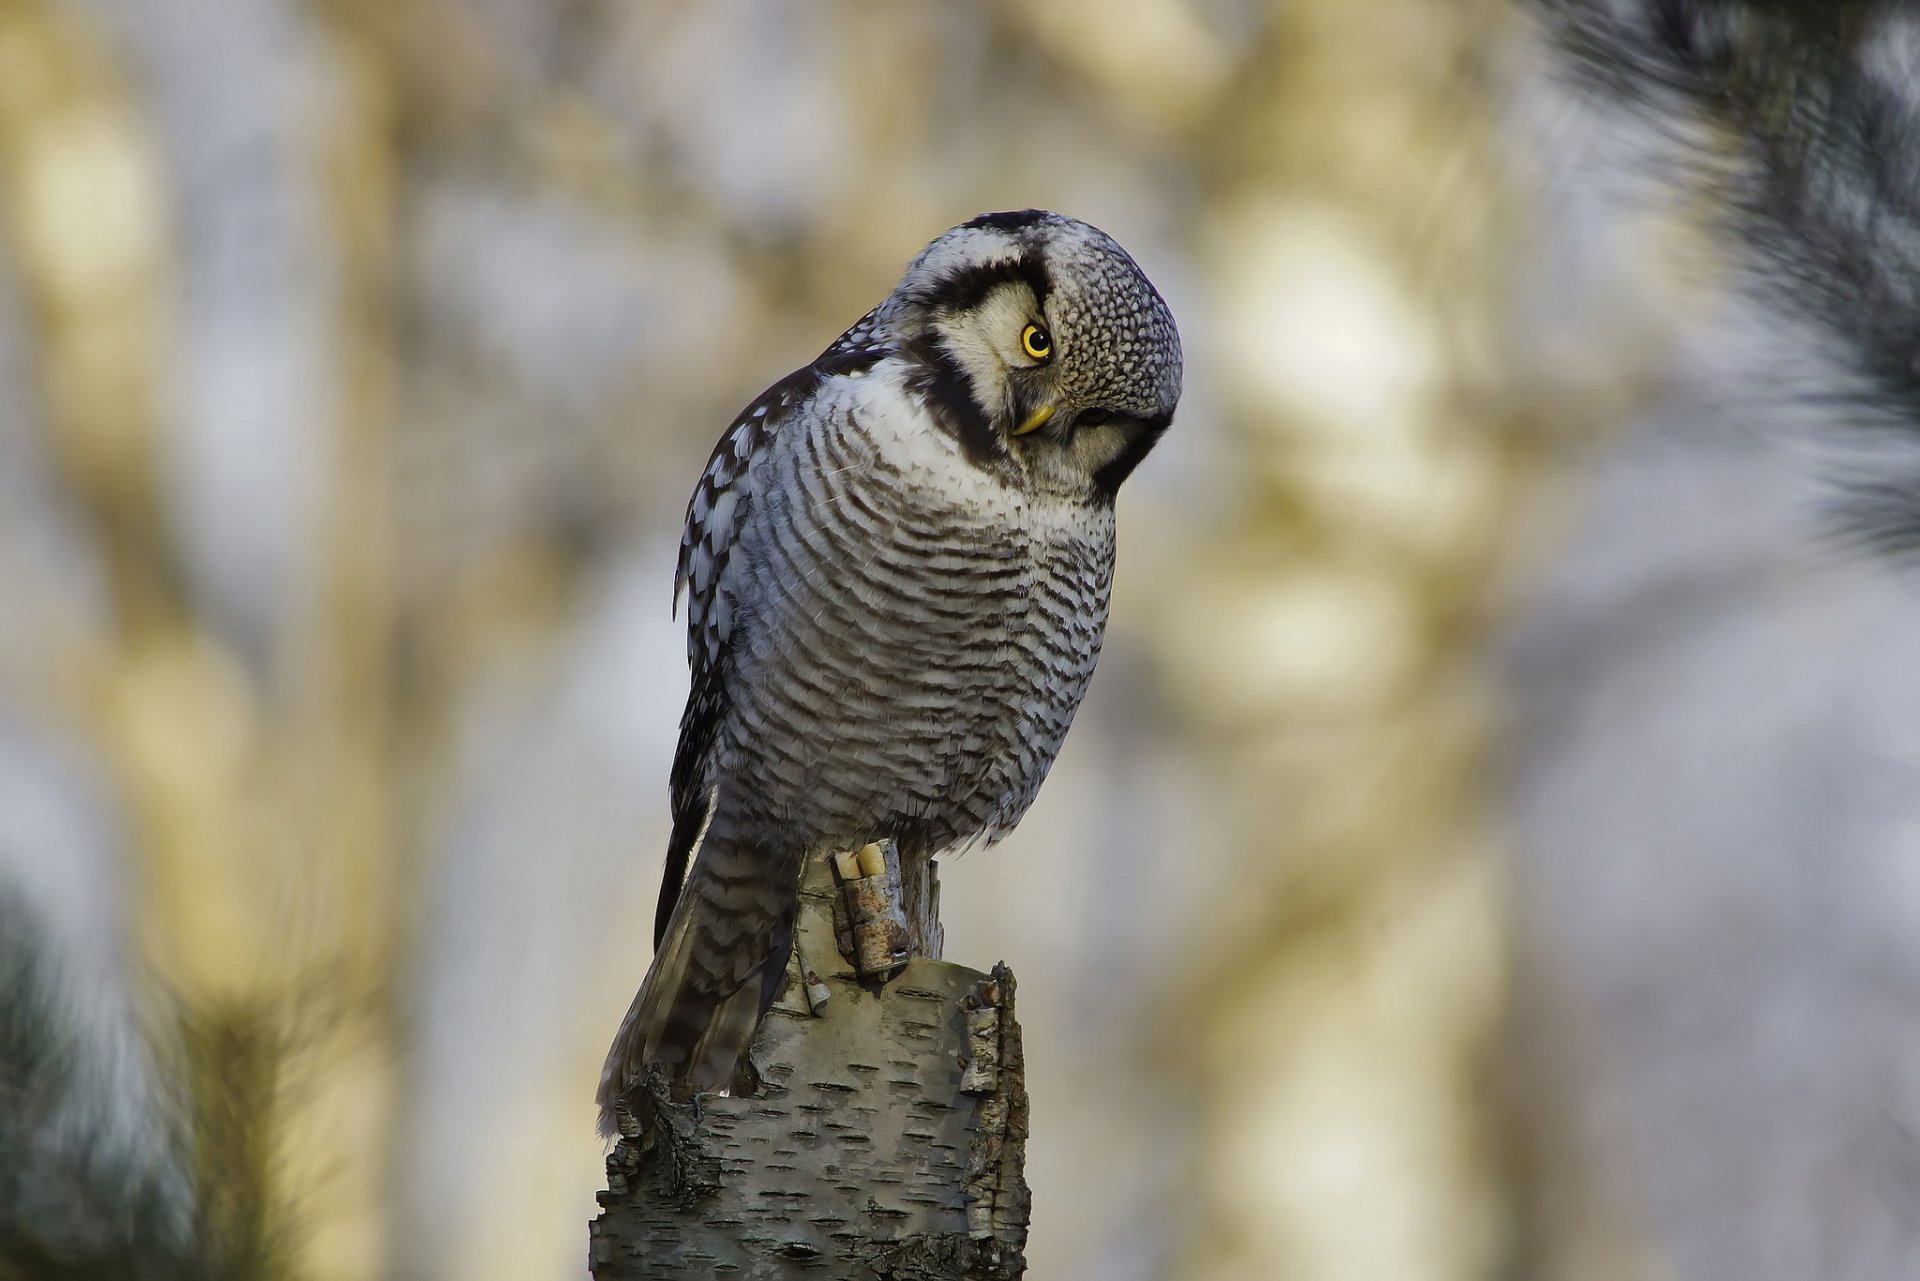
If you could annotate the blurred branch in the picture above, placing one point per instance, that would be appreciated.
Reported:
(82, 205)
(252, 777)
(1347, 1005)
(887, 1138)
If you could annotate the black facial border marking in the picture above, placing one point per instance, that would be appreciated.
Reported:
(968, 287)
(1009, 220)
(1141, 438)
(948, 393)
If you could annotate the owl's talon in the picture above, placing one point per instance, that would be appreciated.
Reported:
(878, 939)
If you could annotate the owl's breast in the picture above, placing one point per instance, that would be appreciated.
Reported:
(912, 634)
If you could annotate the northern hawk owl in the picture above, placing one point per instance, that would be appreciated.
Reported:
(897, 565)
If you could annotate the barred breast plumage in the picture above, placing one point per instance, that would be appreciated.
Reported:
(897, 566)
(929, 631)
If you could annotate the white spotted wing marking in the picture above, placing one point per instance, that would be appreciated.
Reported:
(863, 343)
(714, 517)
(718, 509)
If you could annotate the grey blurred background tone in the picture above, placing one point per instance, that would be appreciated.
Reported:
(1487, 849)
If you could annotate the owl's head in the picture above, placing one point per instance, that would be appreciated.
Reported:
(1041, 341)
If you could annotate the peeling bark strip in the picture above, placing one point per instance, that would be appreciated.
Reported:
(877, 937)
(886, 1142)
(999, 1203)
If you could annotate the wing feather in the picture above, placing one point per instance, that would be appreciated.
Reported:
(716, 513)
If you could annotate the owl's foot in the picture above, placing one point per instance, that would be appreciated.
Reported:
(876, 938)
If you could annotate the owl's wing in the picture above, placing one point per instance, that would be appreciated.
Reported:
(717, 511)
(716, 514)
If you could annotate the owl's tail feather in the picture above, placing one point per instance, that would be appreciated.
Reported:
(715, 972)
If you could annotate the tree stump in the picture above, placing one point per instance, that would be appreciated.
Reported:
(886, 1138)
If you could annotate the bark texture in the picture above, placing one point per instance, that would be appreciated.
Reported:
(885, 1142)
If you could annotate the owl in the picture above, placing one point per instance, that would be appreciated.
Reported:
(896, 567)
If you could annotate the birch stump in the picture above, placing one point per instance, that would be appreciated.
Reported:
(886, 1138)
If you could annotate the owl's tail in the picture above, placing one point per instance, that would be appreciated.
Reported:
(716, 970)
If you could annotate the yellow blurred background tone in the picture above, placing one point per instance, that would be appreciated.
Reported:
(358, 359)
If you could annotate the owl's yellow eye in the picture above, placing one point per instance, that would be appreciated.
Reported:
(1036, 342)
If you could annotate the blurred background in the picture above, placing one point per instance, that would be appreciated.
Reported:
(1485, 851)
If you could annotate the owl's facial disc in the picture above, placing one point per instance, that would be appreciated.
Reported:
(1042, 343)
(1004, 348)
(1037, 344)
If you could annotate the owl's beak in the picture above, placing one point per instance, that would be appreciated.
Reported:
(1040, 417)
